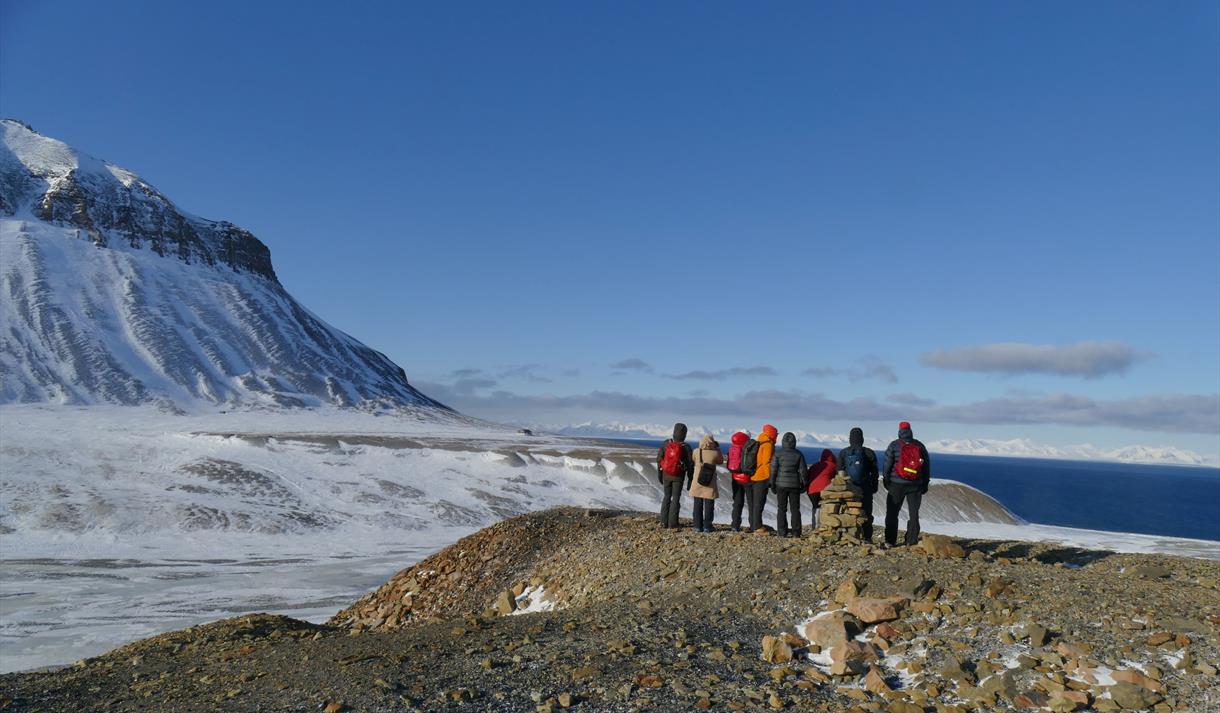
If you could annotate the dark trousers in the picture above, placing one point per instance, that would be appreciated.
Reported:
(893, 504)
(788, 499)
(705, 513)
(671, 500)
(739, 501)
(756, 493)
(866, 529)
(815, 499)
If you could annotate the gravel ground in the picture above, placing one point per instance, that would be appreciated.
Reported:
(647, 619)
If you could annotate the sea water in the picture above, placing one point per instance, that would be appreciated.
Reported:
(1169, 500)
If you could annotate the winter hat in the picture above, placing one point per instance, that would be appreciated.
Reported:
(904, 424)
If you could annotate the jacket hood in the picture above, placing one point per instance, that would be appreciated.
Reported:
(856, 437)
(740, 438)
(790, 441)
(769, 433)
(905, 434)
(679, 431)
(709, 443)
(828, 456)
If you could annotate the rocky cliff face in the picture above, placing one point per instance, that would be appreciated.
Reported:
(52, 182)
(114, 294)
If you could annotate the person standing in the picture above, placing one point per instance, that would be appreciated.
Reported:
(789, 475)
(757, 462)
(675, 465)
(740, 481)
(905, 477)
(860, 463)
(703, 486)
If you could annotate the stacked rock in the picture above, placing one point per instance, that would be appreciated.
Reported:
(842, 510)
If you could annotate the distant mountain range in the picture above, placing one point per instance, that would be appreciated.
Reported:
(1015, 448)
(113, 294)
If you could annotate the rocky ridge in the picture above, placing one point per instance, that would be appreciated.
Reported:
(602, 610)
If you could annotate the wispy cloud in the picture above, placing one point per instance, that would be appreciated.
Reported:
(906, 398)
(722, 374)
(1091, 360)
(869, 367)
(532, 373)
(469, 385)
(632, 365)
(1174, 413)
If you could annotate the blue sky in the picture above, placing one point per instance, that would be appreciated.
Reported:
(827, 212)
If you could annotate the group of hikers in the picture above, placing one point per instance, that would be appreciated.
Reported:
(757, 466)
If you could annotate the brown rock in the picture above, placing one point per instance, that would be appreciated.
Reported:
(847, 590)
(1037, 635)
(830, 629)
(1073, 650)
(775, 650)
(505, 604)
(585, 672)
(853, 656)
(939, 546)
(1138, 679)
(333, 707)
(1159, 638)
(1132, 697)
(872, 611)
(875, 682)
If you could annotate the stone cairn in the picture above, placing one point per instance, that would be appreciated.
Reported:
(842, 510)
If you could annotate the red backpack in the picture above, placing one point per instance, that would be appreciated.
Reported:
(734, 463)
(910, 462)
(671, 462)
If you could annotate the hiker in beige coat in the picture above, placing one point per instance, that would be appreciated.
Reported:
(705, 496)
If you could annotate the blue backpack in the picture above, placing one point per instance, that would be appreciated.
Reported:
(857, 466)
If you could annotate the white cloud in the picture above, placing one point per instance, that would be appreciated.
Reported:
(1091, 360)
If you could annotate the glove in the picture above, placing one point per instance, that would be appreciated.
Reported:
(923, 489)
(886, 484)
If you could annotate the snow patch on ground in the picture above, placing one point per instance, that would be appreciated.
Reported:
(534, 599)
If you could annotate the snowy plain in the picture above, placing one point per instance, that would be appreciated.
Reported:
(122, 522)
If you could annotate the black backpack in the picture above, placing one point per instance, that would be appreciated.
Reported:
(707, 474)
(749, 457)
(856, 465)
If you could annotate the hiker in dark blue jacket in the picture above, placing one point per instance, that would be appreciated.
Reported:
(905, 476)
(860, 463)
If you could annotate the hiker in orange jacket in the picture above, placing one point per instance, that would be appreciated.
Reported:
(760, 481)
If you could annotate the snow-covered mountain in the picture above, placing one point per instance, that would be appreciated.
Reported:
(1025, 448)
(113, 294)
(1012, 448)
(650, 431)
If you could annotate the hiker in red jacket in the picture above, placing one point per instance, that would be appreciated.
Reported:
(741, 481)
(820, 475)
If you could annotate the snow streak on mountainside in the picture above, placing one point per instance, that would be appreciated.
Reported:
(1012, 448)
(114, 295)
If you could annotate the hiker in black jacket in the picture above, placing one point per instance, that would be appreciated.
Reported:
(905, 486)
(675, 473)
(860, 463)
(789, 478)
